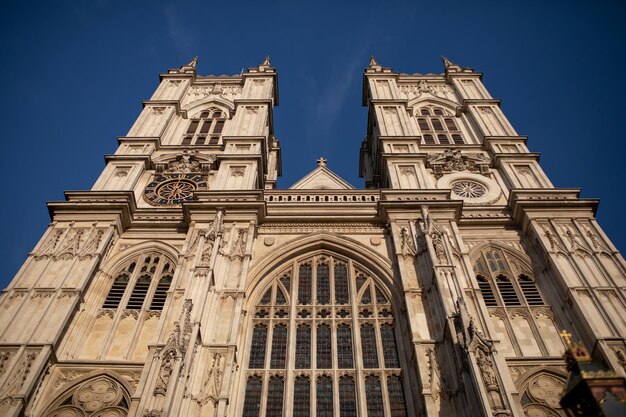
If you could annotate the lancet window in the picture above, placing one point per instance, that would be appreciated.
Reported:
(206, 129)
(439, 126)
(314, 325)
(142, 283)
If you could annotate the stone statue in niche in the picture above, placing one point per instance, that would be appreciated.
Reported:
(407, 247)
(167, 366)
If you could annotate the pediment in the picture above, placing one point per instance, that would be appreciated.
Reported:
(322, 178)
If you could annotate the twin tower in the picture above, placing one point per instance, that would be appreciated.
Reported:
(184, 283)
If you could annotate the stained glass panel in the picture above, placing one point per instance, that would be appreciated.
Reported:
(395, 392)
(368, 346)
(279, 346)
(347, 397)
(344, 346)
(252, 403)
(323, 284)
(257, 350)
(302, 397)
(342, 294)
(324, 396)
(275, 390)
(304, 284)
(303, 347)
(324, 354)
(374, 397)
(390, 350)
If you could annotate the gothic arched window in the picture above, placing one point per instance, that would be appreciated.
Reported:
(206, 129)
(144, 286)
(511, 292)
(438, 126)
(313, 327)
(521, 319)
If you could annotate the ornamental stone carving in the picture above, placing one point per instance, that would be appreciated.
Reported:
(101, 396)
(454, 160)
(49, 246)
(407, 247)
(187, 161)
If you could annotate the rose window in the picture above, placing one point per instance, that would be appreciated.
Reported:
(468, 189)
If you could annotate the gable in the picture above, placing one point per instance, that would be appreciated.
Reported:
(322, 178)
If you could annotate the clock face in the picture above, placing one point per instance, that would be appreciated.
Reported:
(173, 189)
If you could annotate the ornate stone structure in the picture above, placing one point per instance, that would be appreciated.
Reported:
(185, 284)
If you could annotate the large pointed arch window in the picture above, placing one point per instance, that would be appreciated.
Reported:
(317, 323)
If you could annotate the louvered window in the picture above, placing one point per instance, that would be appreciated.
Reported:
(206, 129)
(434, 125)
(158, 299)
(487, 291)
(148, 284)
(507, 292)
(530, 291)
(117, 291)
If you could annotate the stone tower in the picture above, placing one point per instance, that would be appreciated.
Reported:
(185, 284)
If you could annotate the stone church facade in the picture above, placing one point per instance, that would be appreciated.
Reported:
(184, 283)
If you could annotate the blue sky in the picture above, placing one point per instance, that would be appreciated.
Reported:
(75, 72)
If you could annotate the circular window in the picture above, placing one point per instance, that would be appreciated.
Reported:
(468, 189)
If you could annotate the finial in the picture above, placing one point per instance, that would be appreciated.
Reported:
(267, 62)
(190, 66)
(446, 61)
(373, 62)
(322, 162)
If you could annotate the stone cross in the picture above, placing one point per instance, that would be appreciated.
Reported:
(322, 162)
